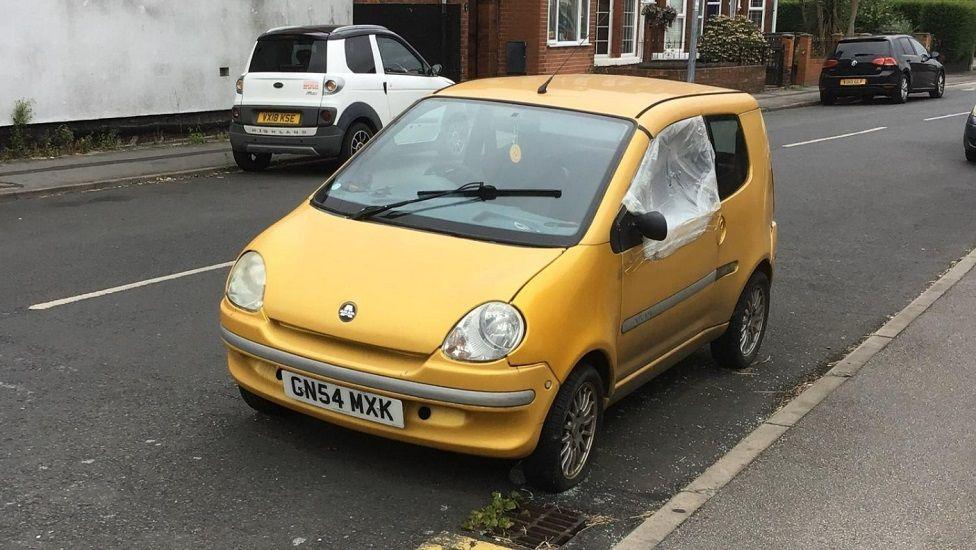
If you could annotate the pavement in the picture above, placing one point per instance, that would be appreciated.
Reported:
(122, 428)
(885, 461)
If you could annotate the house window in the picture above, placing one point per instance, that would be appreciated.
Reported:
(568, 21)
(603, 16)
(674, 35)
(757, 12)
(628, 42)
(712, 8)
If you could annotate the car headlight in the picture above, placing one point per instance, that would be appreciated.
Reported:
(489, 332)
(245, 286)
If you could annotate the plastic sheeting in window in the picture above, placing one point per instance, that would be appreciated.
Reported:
(676, 178)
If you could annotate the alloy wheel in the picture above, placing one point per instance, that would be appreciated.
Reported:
(753, 320)
(940, 84)
(579, 431)
(359, 139)
(904, 89)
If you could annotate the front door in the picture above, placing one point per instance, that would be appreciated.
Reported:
(406, 74)
(668, 287)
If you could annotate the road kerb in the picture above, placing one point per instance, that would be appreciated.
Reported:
(683, 505)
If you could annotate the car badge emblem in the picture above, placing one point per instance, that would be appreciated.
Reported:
(853, 62)
(347, 312)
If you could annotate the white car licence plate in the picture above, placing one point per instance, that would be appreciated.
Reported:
(360, 404)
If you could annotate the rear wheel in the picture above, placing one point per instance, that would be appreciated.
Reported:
(939, 90)
(971, 155)
(252, 162)
(563, 456)
(357, 136)
(900, 95)
(261, 404)
(739, 346)
(827, 98)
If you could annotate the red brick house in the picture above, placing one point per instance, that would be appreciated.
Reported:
(481, 38)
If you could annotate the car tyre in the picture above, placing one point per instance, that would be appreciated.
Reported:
(939, 90)
(971, 155)
(261, 404)
(827, 98)
(900, 95)
(739, 346)
(569, 435)
(252, 162)
(357, 136)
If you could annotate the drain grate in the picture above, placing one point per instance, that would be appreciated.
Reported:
(547, 524)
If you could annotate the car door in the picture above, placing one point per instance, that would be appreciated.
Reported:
(665, 300)
(407, 77)
(927, 66)
(906, 51)
(365, 83)
(743, 173)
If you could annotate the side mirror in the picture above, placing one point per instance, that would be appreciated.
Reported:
(436, 69)
(934, 55)
(652, 225)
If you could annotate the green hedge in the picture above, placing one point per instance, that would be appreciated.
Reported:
(951, 21)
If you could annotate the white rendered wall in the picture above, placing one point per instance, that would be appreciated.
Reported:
(93, 59)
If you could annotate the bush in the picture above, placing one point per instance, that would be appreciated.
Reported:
(789, 17)
(951, 21)
(21, 116)
(732, 40)
(879, 16)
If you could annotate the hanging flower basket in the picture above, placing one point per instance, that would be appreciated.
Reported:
(659, 16)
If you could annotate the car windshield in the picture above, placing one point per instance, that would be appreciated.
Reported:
(862, 48)
(443, 143)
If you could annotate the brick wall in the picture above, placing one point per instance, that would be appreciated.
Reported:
(748, 78)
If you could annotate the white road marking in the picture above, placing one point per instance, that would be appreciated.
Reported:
(835, 137)
(946, 116)
(130, 286)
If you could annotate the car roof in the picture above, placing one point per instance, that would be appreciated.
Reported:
(327, 31)
(873, 38)
(622, 96)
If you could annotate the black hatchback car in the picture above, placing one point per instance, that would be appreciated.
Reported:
(894, 66)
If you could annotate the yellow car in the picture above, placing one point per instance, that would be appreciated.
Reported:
(507, 259)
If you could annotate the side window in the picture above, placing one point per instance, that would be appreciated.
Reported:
(906, 47)
(919, 48)
(359, 55)
(397, 59)
(731, 156)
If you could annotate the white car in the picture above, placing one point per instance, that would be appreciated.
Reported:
(324, 91)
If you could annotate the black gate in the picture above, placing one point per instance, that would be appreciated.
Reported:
(434, 29)
(774, 61)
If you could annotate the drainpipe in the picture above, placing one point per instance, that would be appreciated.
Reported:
(693, 47)
(775, 11)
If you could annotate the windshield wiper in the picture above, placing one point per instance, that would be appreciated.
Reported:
(476, 189)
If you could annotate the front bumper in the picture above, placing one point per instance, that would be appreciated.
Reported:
(489, 410)
(885, 83)
(325, 142)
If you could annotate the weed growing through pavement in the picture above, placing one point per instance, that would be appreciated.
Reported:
(497, 517)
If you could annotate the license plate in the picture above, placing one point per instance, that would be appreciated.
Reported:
(360, 404)
(287, 119)
(853, 81)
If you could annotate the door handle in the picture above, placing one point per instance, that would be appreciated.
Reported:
(384, 88)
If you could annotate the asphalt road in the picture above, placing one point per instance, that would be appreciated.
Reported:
(122, 428)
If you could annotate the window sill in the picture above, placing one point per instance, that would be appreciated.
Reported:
(604, 61)
(577, 44)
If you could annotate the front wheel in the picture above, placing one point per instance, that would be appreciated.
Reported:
(252, 162)
(261, 404)
(739, 346)
(900, 95)
(562, 458)
(939, 90)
